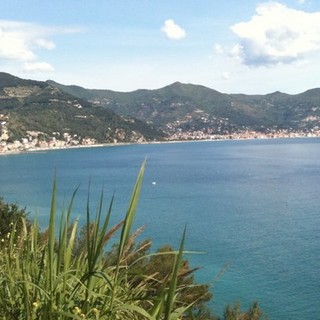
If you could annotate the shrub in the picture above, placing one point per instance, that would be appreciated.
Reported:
(10, 215)
(49, 276)
(69, 274)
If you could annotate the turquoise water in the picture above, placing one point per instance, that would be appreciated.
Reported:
(251, 204)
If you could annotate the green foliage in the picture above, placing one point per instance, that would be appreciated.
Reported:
(49, 276)
(234, 312)
(69, 273)
(11, 216)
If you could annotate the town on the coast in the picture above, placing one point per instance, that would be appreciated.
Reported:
(36, 141)
(44, 115)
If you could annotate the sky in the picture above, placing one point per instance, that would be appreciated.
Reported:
(251, 47)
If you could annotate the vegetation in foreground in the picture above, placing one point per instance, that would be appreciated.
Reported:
(69, 274)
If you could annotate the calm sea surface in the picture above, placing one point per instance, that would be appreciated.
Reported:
(252, 204)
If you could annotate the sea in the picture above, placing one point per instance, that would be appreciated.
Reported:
(251, 209)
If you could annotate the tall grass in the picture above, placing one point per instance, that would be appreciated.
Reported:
(45, 275)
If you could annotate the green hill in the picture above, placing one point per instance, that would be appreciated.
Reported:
(177, 111)
(183, 107)
(36, 106)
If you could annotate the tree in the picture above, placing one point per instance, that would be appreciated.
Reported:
(155, 268)
(10, 216)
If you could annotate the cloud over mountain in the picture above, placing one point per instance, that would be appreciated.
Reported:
(277, 34)
(22, 42)
(37, 67)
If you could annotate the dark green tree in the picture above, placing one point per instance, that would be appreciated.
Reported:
(156, 268)
(10, 216)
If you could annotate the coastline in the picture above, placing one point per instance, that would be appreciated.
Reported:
(17, 151)
(66, 147)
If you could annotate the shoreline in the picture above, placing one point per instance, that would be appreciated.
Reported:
(118, 144)
(47, 149)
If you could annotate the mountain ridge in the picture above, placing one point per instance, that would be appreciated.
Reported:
(177, 111)
(36, 106)
(254, 112)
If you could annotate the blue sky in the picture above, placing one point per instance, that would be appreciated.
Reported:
(232, 46)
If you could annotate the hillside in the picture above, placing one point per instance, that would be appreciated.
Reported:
(33, 109)
(189, 108)
(50, 114)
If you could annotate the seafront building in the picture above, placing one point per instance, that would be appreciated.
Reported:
(33, 143)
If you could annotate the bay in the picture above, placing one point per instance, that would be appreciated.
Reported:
(253, 205)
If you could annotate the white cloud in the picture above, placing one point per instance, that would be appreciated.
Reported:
(225, 75)
(172, 30)
(43, 43)
(13, 43)
(277, 34)
(22, 43)
(37, 67)
(18, 40)
(218, 48)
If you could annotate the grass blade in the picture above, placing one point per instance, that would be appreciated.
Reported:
(174, 279)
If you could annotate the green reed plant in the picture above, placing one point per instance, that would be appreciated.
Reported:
(45, 275)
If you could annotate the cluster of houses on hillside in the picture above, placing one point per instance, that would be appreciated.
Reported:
(36, 140)
(241, 135)
(33, 144)
(4, 136)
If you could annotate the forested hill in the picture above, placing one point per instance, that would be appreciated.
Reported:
(33, 108)
(186, 107)
(49, 111)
